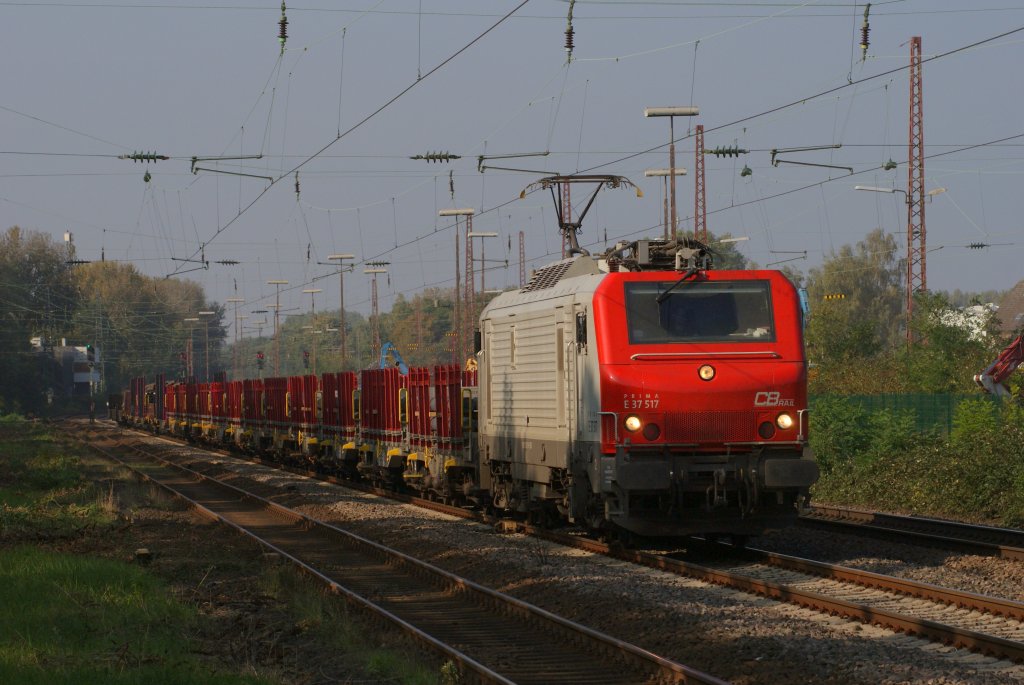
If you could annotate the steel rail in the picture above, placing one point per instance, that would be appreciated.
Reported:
(965, 600)
(466, 662)
(620, 651)
(938, 632)
(942, 633)
(1006, 543)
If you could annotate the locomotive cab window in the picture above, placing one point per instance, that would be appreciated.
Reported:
(730, 311)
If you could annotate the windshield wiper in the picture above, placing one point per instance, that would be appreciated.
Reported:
(689, 272)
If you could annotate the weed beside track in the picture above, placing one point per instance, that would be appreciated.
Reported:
(200, 605)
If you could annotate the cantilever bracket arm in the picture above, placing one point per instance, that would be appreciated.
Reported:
(777, 162)
(811, 148)
(185, 271)
(196, 158)
(483, 158)
(197, 169)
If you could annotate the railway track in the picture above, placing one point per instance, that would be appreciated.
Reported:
(492, 637)
(1006, 543)
(987, 625)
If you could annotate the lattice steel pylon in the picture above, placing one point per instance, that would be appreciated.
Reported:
(700, 212)
(456, 331)
(374, 268)
(522, 258)
(916, 236)
(470, 298)
(375, 315)
(567, 214)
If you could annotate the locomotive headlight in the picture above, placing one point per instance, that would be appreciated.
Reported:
(633, 423)
(784, 421)
(706, 372)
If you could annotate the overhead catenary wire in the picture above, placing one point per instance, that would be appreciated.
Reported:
(756, 201)
(42, 4)
(829, 91)
(392, 196)
(62, 127)
(716, 34)
(367, 118)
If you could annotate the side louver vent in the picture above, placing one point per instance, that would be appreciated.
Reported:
(548, 276)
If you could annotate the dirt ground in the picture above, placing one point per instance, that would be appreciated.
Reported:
(257, 615)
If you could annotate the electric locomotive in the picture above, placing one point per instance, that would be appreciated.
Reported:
(643, 391)
(639, 391)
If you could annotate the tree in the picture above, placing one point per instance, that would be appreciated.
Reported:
(959, 298)
(865, 320)
(38, 296)
(138, 322)
(725, 253)
(945, 355)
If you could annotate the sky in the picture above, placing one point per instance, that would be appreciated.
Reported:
(363, 85)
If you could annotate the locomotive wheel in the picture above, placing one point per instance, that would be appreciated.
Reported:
(624, 538)
(545, 516)
(500, 496)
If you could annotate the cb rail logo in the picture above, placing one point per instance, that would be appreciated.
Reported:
(771, 399)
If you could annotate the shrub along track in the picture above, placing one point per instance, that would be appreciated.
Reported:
(492, 637)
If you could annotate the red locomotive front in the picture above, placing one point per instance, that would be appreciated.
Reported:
(643, 391)
(703, 399)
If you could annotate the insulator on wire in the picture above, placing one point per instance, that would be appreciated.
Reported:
(977, 246)
(282, 34)
(734, 151)
(865, 29)
(296, 185)
(437, 156)
(451, 184)
(570, 33)
(143, 157)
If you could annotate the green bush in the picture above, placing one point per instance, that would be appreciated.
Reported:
(975, 474)
(892, 432)
(839, 431)
(844, 432)
(973, 419)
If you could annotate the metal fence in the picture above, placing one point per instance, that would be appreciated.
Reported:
(931, 412)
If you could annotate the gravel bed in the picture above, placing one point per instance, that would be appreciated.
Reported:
(966, 572)
(743, 638)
